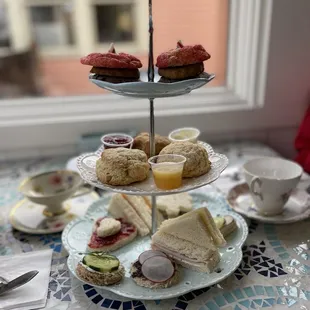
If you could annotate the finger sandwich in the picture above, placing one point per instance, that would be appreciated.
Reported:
(191, 240)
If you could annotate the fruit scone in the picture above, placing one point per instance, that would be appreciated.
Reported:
(113, 67)
(183, 62)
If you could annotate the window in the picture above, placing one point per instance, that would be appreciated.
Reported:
(64, 30)
(115, 23)
(253, 40)
(4, 30)
(52, 25)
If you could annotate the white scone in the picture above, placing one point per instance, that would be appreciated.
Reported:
(197, 159)
(121, 166)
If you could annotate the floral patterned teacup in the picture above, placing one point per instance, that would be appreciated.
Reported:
(271, 181)
(53, 188)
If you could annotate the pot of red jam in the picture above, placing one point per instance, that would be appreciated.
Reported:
(114, 140)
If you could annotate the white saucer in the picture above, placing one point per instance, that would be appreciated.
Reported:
(30, 218)
(296, 209)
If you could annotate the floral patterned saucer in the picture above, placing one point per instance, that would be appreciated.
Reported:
(31, 218)
(296, 209)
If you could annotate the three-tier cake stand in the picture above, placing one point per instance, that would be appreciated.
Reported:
(77, 232)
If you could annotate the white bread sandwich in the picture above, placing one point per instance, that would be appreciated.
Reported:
(227, 224)
(174, 205)
(191, 240)
(110, 234)
(135, 210)
(100, 269)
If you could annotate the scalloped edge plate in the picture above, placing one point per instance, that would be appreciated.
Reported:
(190, 280)
(154, 89)
(86, 164)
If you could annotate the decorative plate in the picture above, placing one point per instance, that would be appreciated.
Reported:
(77, 233)
(87, 167)
(154, 89)
(29, 217)
(296, 209)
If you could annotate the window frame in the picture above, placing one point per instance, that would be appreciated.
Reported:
(240, 104)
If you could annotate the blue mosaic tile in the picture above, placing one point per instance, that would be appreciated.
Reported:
(259, 289)
(279, 301)
(238, 294)
(229, 297)
(189, 296)
(275, 243)
(220, 301)
(305, 269)
(116, 304)
(282, 290)
(58, 295)
(249, 291)
(212, 306)
(279, 249)
(141, 307)
(284, 255)
(293, 291)
(97, 299)
(246, 303)
(127, 305)
(137, 303)
(290, 302)
(237, 308)
(307, 293)
(258, 302)
(66, 298)
(271, 301)
(265, 304)
(106, 303)
(91, 293)
(253, 306)
(181, 305)
(302, 295)
(270, 292)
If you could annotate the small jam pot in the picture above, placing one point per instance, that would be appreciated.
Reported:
(184, 134)
(167, 170)
(114, 140)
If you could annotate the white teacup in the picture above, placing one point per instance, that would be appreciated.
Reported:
(53, 188)
(271, 181)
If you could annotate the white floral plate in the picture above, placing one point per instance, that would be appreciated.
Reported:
(154, 89)
(87, 166)
(77, 233)
(296, 209)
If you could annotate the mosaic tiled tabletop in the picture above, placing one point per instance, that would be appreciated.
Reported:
(274, 273)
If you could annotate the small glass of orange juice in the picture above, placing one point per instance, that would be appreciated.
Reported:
(167, 170)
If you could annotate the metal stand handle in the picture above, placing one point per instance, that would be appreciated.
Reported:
(152, 119)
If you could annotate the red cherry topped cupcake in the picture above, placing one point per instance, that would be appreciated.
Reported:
(183, 62)
(113, 67)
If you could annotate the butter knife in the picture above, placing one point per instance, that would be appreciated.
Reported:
(19, 281)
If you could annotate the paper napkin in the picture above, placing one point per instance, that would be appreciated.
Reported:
(33, 294)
